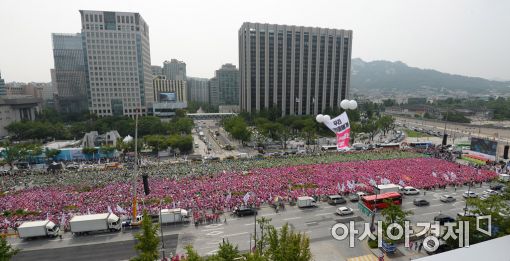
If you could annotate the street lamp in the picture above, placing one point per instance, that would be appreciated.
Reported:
(161, 230)
(468, 196)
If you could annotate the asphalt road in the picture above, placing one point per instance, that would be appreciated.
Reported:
(315, 222)
(119, 250)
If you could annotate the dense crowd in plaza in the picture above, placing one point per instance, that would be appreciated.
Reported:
(221, 186)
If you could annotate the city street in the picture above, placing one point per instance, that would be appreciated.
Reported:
(460, 129)
(315, 222)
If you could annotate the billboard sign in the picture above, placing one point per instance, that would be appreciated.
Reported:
(484, 146)
(167, 97)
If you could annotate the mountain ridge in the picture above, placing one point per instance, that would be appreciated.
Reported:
(384, 76)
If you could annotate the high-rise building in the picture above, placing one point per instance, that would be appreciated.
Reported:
(224, 87)
(3, 91)
(299, 70)
(69, 74)
(169, 89)
(156, 70)
(174, 70)
(117, 55)
(214, 89)
(198, 89)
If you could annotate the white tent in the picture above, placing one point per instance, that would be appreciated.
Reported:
(127, 139)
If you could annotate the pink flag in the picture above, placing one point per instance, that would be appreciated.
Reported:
(343, 138)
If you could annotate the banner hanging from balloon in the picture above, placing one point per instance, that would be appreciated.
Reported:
(340, 125)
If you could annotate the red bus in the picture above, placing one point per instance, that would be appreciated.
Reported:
(379, 200)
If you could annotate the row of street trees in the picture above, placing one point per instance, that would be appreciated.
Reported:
(270, 126)
(48, 128)
(273, 245)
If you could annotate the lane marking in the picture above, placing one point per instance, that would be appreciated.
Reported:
(250, 224)
(292, 218)
(215, 233)
(236, 234)
(212, 229)
(323, 214)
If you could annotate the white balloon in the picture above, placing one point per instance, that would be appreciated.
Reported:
(344, 104)
(326, 118)
(319, 118)
(353, 104)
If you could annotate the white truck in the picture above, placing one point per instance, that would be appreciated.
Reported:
(95, 222)
(174, 215)
(305, 202)
(39, 228)
(388, 188)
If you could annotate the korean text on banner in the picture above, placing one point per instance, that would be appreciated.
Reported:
(340, 125)
(343, 138)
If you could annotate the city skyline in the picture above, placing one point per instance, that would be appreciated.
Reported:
(425, 34)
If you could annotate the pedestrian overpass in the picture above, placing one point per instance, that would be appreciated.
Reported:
(211, 116)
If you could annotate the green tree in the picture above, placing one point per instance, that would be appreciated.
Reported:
(393, 214)
(6, 250)
(386, 123)
(283, 132)
(192, 255)
(370, 127)
(156, 142)
(494, 206)
(287, 245)
(107, 149)
(148, 125)
(88, 150)
(226, 252)
(51, 153)
(238, 128)
(310, 131)
(389, 102)
(147, 240)
(182, 142)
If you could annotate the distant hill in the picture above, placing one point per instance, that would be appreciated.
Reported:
(385, 76)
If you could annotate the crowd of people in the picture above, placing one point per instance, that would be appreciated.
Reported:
(221, 186)
(94, 177)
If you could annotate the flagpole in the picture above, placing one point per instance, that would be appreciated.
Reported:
(135, 174)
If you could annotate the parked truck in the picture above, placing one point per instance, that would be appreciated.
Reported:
(304, 202)
(40, 228)
(381, 189)
(174, 215)
(95, 222)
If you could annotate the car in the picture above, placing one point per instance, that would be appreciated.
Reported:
(447, 198)
(469, 194)
(467, 214)
(343, 211)
(410, 191)
(244, 211)
(484, 196)
(357, 196)
(441, 218)
(73, 166)
(490, 192)
(336, 199)
(421, 202)
(497, 186)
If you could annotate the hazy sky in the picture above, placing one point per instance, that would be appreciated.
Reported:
(455, 36)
